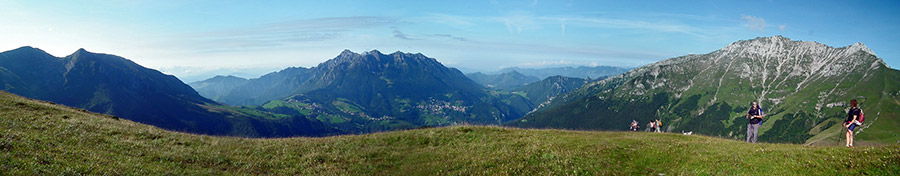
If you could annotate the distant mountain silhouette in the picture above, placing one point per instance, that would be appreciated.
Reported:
(114, 85)
(216, 87)
(540, 92)
(505, 81)
(582, 72)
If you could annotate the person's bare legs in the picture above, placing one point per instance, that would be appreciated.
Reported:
(847, 135)
(850, 133)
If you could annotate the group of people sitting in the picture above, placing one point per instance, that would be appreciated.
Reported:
(854, 119)
(653, 126)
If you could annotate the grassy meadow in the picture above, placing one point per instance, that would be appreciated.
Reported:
(41, 138)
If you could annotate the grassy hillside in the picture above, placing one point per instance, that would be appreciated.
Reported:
(803, 87)
(42, 138)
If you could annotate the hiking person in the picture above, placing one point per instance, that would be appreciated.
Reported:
(854, 119)
(755, 115)
(658, 126)
(634, 125)
(652, 126)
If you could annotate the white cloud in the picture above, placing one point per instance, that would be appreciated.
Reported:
(611, 23)
(782, 27)
(519, 21)
(754, 23)
(562, 27)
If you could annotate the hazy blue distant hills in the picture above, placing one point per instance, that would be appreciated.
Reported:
(505, 81)
(540, 92)
(256, 91)
(215, 87)
(583, 72)
(190, 74)
(803, 86)
(114, 85)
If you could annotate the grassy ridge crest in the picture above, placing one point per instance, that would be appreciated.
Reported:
(38, 138)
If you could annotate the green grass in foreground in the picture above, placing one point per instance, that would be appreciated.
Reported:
(38, 138)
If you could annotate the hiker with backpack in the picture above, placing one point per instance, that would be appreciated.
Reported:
(855, 117)
(755, 115)
(651, 126)
(658, 125)
(634, 125)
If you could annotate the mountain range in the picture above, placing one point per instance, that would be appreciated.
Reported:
(512, 78)
(371, 91)
(583, 72)
(505, 81)
(352, 93)
(114, 85)
(803, 87)
(542, 91)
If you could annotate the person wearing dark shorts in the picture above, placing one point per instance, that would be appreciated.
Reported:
(755, 115)
(852, 121)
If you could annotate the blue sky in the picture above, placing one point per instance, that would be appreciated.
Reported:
(193, 39)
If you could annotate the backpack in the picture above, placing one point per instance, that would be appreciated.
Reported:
(762, 119)
(862, 116)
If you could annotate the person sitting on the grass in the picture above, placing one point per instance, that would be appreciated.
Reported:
(634, 125)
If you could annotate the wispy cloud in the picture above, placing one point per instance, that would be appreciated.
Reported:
(451, 37)
(449, 20)
(562, 27)
(283, 33)
(399, 34)
(754, 23)
(611, 23)
(521, 21)
(782, 27)
(518, 21)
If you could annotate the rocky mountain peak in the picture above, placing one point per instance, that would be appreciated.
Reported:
(373, 52)
(347, 52)
(860, 47)
(377, 57)
(783, 47)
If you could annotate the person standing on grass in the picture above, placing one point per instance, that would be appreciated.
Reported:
(658, 126)
(852, 121)
(755, 116)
